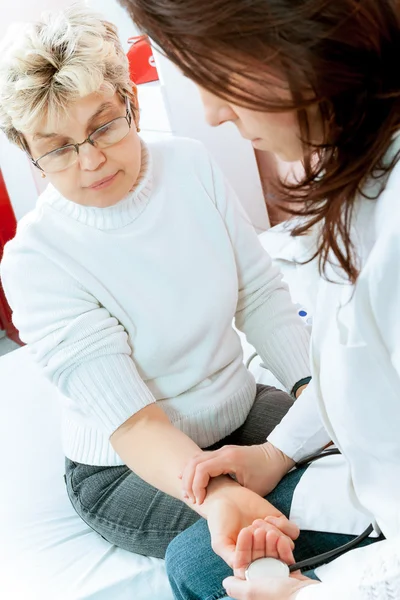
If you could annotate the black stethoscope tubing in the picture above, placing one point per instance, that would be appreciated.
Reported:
(320, 559)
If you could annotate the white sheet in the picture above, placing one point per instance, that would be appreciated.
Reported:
(46, 551)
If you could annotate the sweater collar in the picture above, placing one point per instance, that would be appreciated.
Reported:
(113, 217)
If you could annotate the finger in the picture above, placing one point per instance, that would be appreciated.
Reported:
(218, 458)
(188, 475)
(187, 479)
(262, 524)
(244, 551)
(236, 588)
(259, 548)
(285, 552)
(287, 527)
(271, 543)
(244, 590)
(298, 575)
(213, 467)
(225, 547)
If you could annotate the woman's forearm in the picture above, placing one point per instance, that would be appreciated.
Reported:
(158, 452)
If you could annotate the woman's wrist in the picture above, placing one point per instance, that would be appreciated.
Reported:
(300, 390)
(300, 386)
(224, 491)
(219, 490)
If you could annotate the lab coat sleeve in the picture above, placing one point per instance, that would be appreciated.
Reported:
(369, 573)
(301, 432)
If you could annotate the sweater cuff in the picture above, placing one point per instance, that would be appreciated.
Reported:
(110, 389)
(285, 352)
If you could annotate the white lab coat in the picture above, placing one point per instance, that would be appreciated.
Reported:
(354, 397)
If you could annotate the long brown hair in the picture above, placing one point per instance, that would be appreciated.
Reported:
(338, 55)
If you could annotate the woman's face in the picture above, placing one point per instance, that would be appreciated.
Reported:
(100, 177)
(275, 132)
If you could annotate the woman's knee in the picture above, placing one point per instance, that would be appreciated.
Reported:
(269, 408)
(183, 552)
(195, 572)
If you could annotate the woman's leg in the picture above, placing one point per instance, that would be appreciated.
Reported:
(125, 510)
(133, 515)
(268, 410)
(196, 573)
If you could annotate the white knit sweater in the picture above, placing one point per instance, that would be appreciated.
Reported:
(132, 304)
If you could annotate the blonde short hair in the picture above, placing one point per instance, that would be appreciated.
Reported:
(46, 65)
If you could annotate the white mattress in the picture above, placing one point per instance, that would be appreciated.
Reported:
(46, 551)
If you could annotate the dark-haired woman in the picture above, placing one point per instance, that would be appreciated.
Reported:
(316, 81)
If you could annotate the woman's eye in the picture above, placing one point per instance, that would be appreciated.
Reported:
(62, 151)
(105, 129)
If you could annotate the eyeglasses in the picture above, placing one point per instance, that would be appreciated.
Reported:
(103, 137)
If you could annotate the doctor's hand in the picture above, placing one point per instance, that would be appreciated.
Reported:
(258, 468)
(268, 589)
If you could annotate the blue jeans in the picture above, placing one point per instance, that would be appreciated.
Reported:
(196, 573)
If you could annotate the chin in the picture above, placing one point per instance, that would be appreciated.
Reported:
(260, 144)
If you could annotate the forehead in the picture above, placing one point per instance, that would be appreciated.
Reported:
(77, 116)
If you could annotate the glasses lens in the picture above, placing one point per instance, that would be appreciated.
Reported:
(58, 160)
(111, 133)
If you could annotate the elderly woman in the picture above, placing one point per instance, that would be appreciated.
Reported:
(125, 280)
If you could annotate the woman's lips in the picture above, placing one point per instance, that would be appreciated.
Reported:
(102, 183)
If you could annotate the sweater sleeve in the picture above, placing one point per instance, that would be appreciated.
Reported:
(265, 312)
(82, 349)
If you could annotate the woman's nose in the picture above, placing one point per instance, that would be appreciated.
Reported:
(216, 110)
(217, 115)
(90, 158)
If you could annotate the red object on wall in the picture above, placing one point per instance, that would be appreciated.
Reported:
(142, 66)
(8, 227)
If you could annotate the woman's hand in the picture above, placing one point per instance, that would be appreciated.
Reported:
(228, 516)
(272, 537)
(258, 468)
(269, 589)
(258, 541)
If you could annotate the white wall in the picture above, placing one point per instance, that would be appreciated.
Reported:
(234, 155)
(22, 184)
(116, 14)
(25, 10)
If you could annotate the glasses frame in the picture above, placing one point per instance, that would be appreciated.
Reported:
(127, 117)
